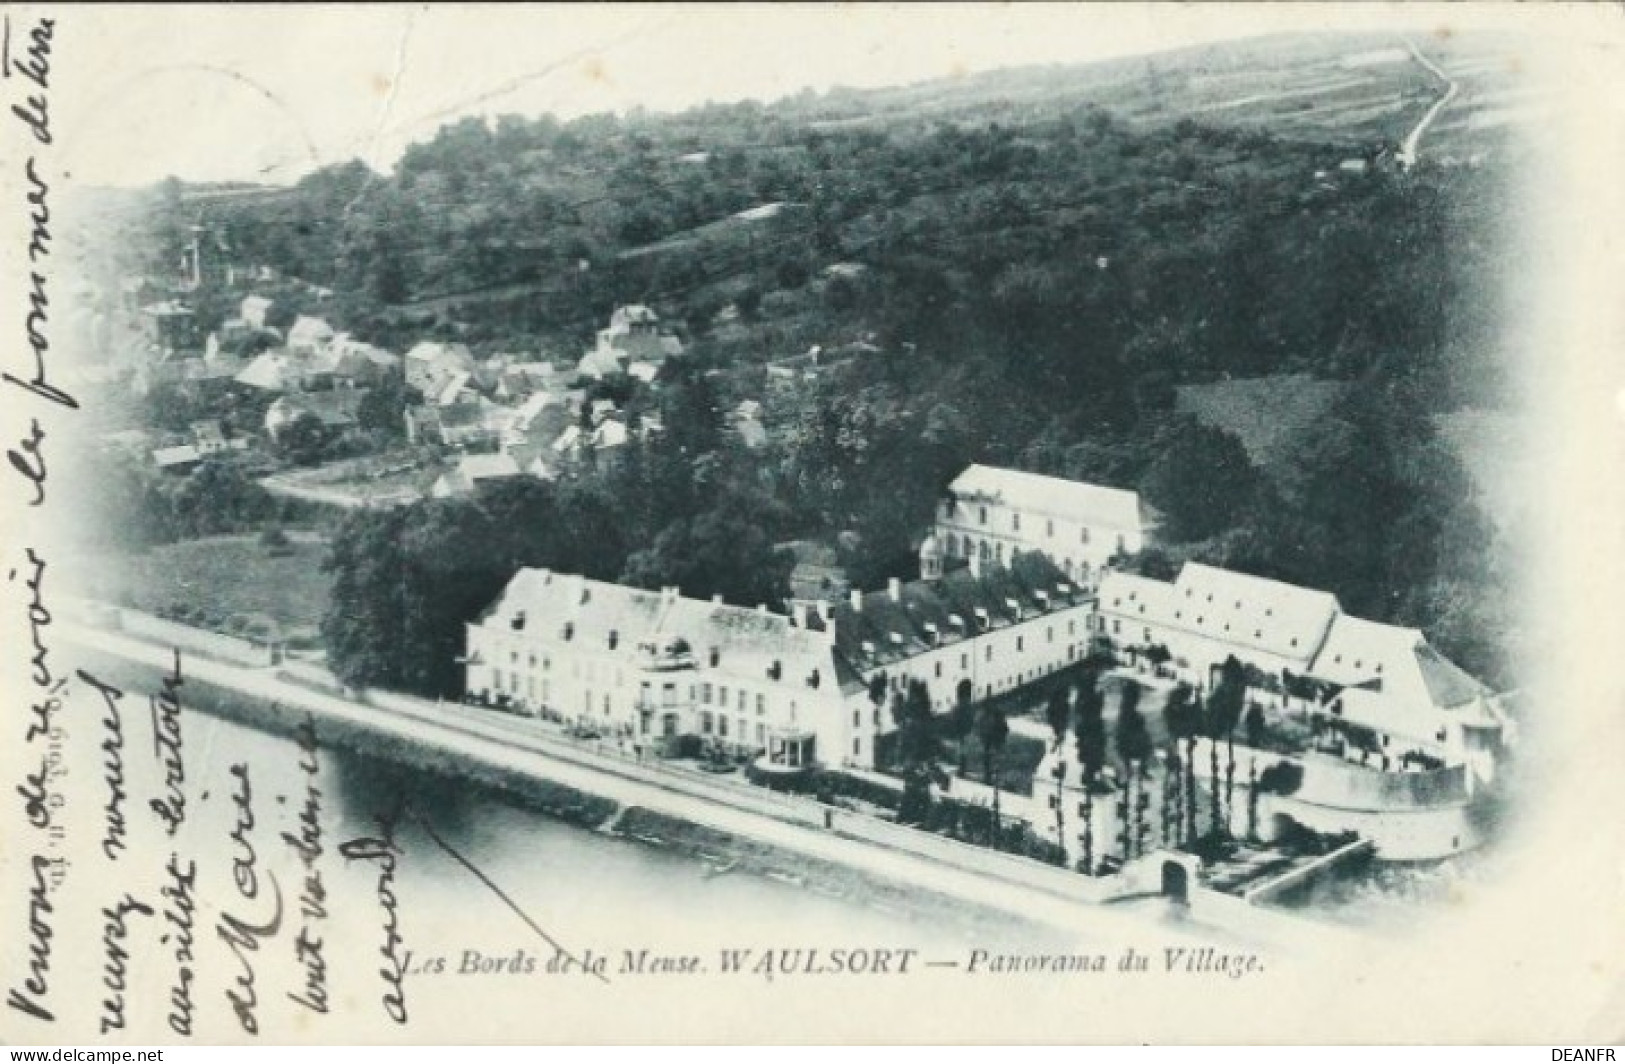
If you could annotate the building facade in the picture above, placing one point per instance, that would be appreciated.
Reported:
(650, 667)
(995, 515)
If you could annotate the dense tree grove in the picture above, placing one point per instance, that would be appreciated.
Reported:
(1033, 291)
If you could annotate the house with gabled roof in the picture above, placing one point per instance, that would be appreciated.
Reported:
(654, 666)
(995, 514)
(1385, 682)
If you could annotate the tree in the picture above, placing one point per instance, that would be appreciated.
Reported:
(723, 552)
(918, 750)
(1182, 718)
(302, 441)
(1223, 714)
(1058, 714)
(383, 408)
(406, 581)
(1201, 482)
(1089, 730)
(1134, 749)
(218, 497)
(991, 730)
(1254, 723)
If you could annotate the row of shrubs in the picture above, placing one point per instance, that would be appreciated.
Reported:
(255, 627)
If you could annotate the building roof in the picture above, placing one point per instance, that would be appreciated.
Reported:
(751, 644)
(880, 630)
(445, 356)
(334, 409)
(634, 314)
(273, 371)
(309, 332)
(169, 457)
(1088, 504)
(1251, 613)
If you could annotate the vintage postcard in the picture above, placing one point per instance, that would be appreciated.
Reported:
(812, 524)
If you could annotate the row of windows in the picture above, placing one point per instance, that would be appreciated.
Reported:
(1015, 523)
(720, 692)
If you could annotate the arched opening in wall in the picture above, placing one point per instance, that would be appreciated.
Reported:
(1176, 882)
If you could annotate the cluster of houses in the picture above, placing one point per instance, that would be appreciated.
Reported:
(498, 417)
(1018, 582)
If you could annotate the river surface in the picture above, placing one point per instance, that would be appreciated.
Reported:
(568, 878)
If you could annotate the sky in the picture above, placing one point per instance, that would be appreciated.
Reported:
(267, 93)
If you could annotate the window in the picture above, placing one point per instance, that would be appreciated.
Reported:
(513, 657)
(1015, 522)
(1049, 528)
(668, 695)
(705, 693)
(939, 670)
(761, 704)
(742, 699)
(722, 726)
(705, 723)
(1071, 627)
(1049, 634)
(857, 718)
(1084, 537)
(857, 747)
(982, 515)
(722, 696)
(964, 661)
(1021, 643)
(1117, 627)
(988, 654)
(761, 735)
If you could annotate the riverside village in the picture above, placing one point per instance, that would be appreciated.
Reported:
(1011, 511)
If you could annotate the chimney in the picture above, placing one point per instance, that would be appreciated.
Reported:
(931, 630)
(1043, 598)
(894, 589)
(716, 600)
(761, 608)
(958, 622)
(857, 601)
(981, 617)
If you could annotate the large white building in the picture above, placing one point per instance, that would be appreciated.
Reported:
(995, 515)
(651, 666)
(1379, 677)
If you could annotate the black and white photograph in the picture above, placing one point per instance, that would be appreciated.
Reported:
(812, 524)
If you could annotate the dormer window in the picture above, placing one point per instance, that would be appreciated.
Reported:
(775, 670)
(716, 657)
(518, 621)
